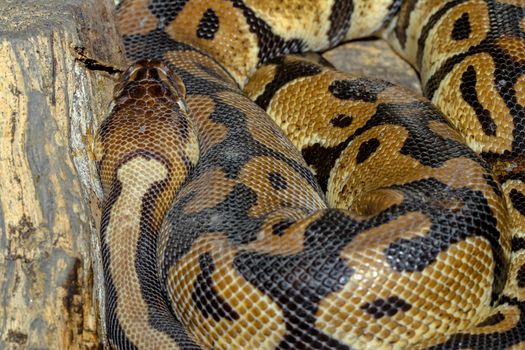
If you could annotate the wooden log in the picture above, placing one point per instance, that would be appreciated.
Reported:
(58, 59)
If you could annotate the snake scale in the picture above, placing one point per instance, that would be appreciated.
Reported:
(359, 216)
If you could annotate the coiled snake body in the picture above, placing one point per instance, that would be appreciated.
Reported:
(378, 222)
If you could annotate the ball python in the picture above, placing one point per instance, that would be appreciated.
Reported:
(259, 199)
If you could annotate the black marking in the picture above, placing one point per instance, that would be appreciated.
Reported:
(492, 320)
(361, 89)
(204, 296)
(225, 217)
(277, 181)
(298, 282)
(323, 160)
(208, 25)
(279, 228)
(340, 15)
(518, 201)
(270, 44)
(403, 21)
(166, 11)
(518, 244)
(470, 95)
(342, 121)
(386, 307)
(521, 277)
(286, 72)
(462, 29)
(366, 149)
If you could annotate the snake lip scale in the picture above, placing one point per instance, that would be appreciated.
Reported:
(257, 198)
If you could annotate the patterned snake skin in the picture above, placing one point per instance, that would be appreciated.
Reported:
(335, 212)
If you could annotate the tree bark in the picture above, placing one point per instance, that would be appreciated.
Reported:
(58, 59)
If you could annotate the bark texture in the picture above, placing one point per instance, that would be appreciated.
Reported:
(58, 59)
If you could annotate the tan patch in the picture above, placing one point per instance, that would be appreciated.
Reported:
(261, 128)
(297, 194)
(445, 131)
(512, 317)
(304, 107)
(450, 295)
(292, 242)
(449, 100)
(519, 87)
(367, 18)
(514, 47)
(233, 45)
(202, 107)
(375, 201)
(259, 80)
(208, 190)
(440, 46)
(260, 322)
(518, 220)
(123, 233)
(518, 3)
(136, 18)
(292, 19)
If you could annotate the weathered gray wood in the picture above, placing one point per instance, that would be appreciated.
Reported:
(57, 62)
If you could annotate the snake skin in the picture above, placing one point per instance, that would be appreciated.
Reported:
(255, 199)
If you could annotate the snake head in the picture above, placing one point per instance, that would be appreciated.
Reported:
(153, 79)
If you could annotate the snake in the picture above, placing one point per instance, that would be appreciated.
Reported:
(257, 198)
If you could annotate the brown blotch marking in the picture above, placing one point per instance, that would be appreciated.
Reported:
(388, 167)
(449, 99)
(261, 128)
(202, 107)
(470, 95)
(290, 238)
(259, 316)
(238, 56)
(459, 280)
(290, 114)
(127, 18)
(439, 47)
(208, 190)
(298, 193)
(517, 219)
